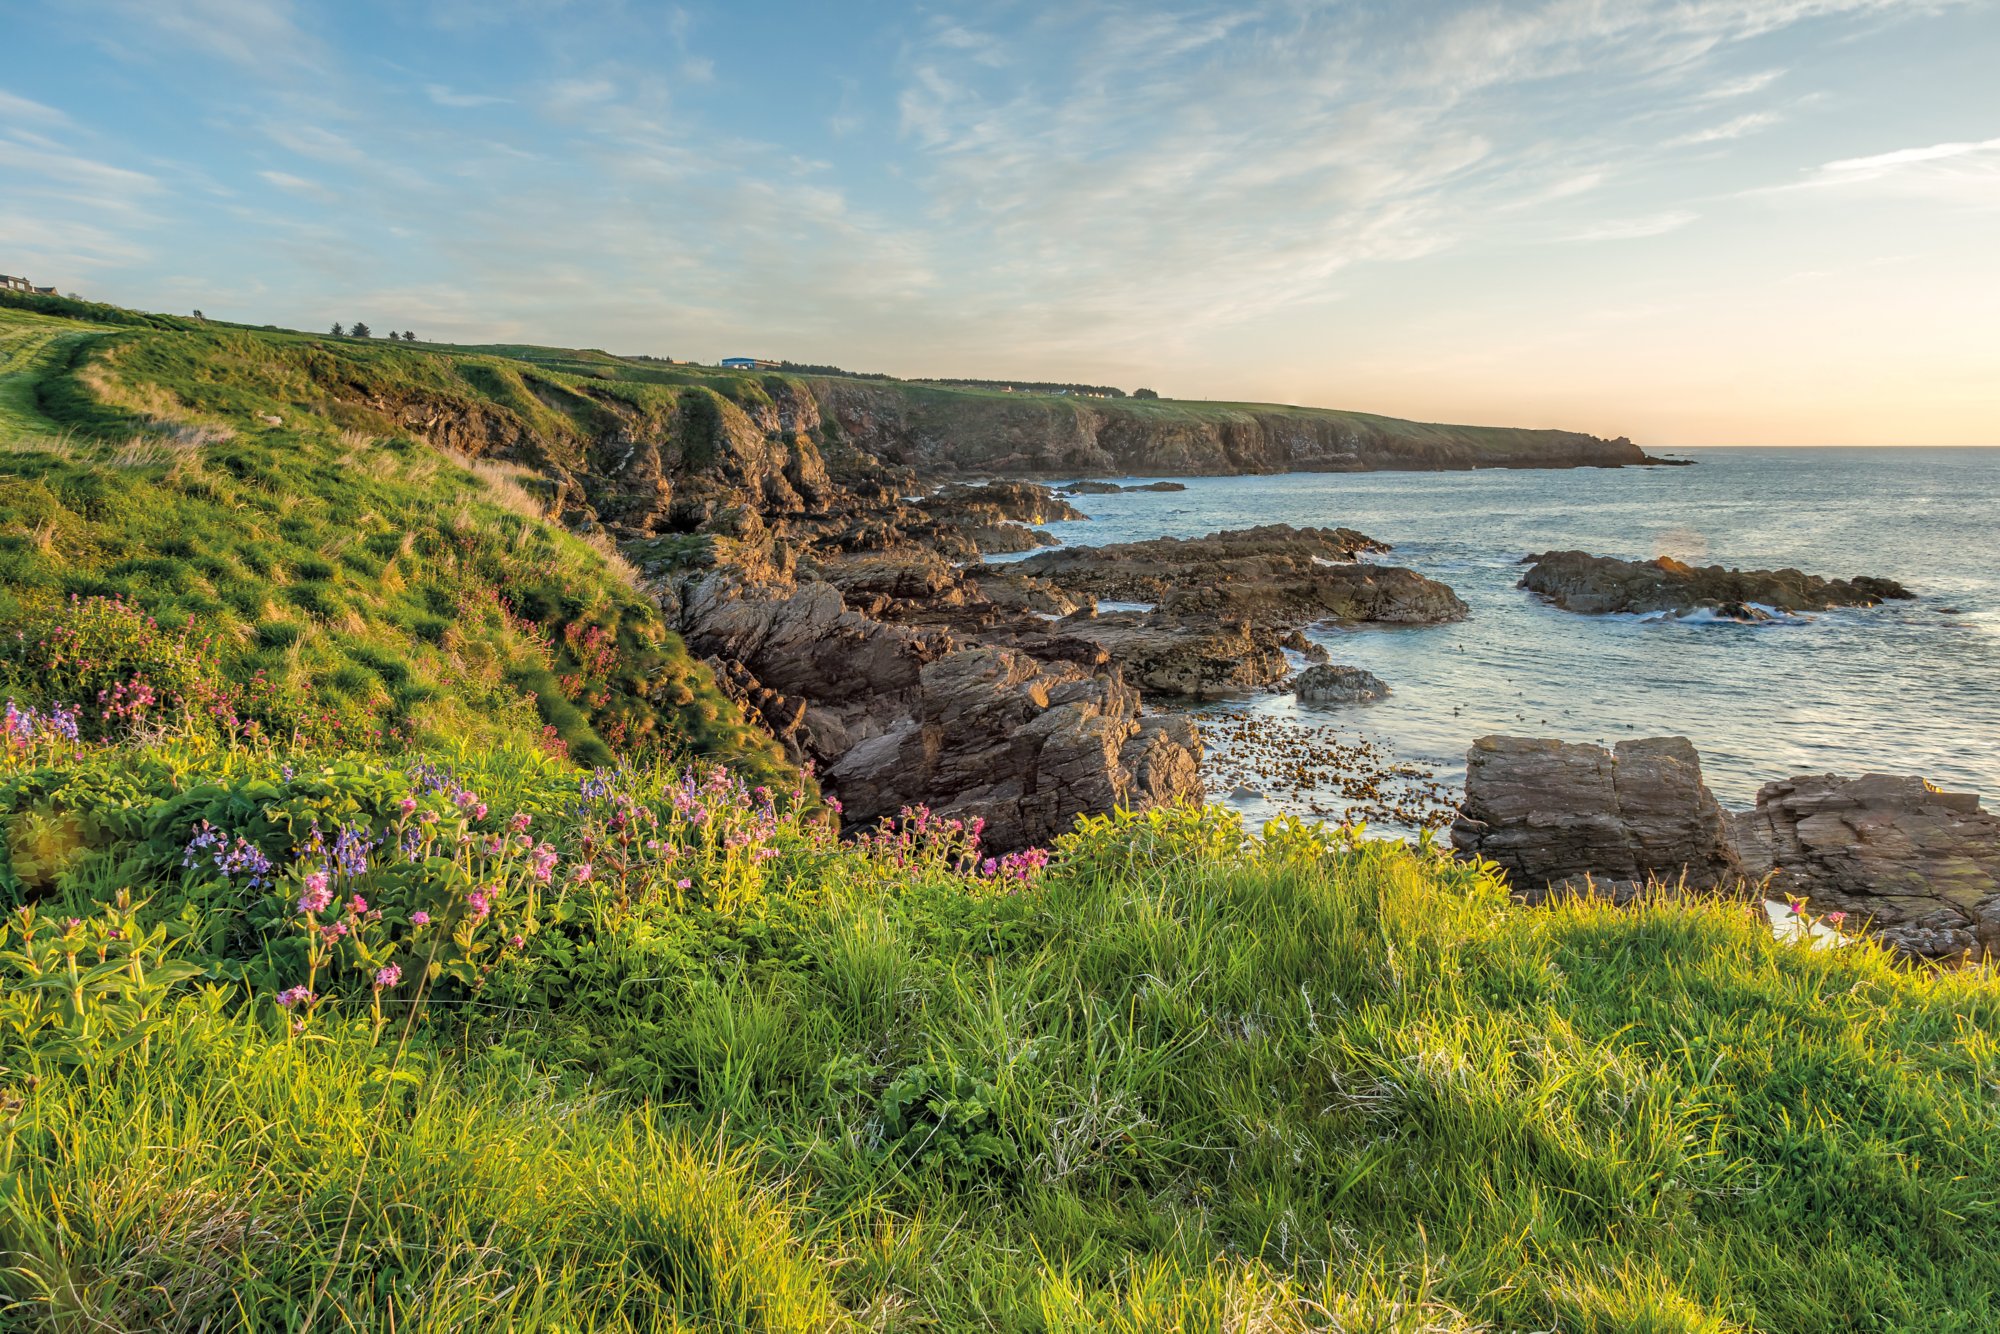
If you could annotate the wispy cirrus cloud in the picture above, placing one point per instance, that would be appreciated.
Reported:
(1963, 172)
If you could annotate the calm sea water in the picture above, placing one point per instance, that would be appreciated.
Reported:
(1903, 688)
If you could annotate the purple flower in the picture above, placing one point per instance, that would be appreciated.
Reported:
(420, 918)
(685, 883)
(388, 976)
(296, 996)
(481, 903)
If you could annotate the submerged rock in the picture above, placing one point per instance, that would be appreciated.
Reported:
(1920, 865)
(1113, 488)
(1333, 684)
(1577, 581)
(1555, 815)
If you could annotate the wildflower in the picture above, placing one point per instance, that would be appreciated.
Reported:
(582, 872)
(684, 883)
(481, 903)
(519, 823)
(388, 976)
(1796, 905)
(518, 940)
(318, 897)
(420, 918)
(1836, 917)
(407, 805)
(350, 850)
(479, 810)
(357, 905)
(542, 862)
(295, 996)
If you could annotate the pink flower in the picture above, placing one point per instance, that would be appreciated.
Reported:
(318, 896)
(582, 872)
(1836, 917)
(479, 811)
(407, 805)
(1796, 905)
(388, 976)
(520, 822)
(481, 903)
(420, 918)
(357, 905)
(518, 941)
(685, 883)
(295, 996)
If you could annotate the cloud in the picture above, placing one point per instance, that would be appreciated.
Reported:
(1634, 229)
(19, 110)
(1120, 170)
(1738, 128)
(446, 97)
(256, 35)
(1965, 172)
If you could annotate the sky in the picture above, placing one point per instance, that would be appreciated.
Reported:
(1686, 221)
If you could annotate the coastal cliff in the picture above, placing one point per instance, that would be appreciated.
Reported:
(941, 430)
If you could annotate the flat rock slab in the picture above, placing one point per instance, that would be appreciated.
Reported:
(1919, 865)
(1555, 815)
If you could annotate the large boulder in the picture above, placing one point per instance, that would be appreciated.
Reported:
(1334, 683)
(1580, 582)
(1920, 865)
(1197, 659)
(1555, 815)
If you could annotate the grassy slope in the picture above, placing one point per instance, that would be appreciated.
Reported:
(1171, 1083)
(359, 571)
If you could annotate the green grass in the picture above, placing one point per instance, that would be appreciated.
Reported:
(262, 489)
(1174, 1081)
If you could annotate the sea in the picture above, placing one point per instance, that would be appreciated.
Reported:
(1906, 687)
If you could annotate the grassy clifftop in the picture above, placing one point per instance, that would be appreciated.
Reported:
(232, 530)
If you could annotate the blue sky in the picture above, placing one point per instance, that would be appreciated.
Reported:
(1690, 221)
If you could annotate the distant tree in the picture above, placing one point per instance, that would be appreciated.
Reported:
(337, 331)
(359, 330)
(1145, 393)
(409, 337)
(72, 296)
(198, 315)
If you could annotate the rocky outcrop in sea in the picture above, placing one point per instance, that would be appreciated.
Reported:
(1593, 585)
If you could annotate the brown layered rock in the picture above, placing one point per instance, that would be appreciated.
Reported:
(1556, 816)
(999, 502)
(895, 714)
(1920, 866)
(1275, 575)
(1113, 488)
(1166, 655)
(1024, 745)
(1577, 581)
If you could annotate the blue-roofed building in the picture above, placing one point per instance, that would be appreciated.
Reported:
(748, 364)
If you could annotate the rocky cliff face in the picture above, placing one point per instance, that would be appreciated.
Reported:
(938, 430)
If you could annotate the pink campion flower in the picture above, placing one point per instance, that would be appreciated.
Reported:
(542, 862)
(519, 823)
(358, 906)
(318, 896)
(407, 805)
(582, 872)
(517, 941)
(1836, 917)
(420, 918)
(479, 811)
(1797, 906)
(429, 817)
(388, 976)
(295, 996)
(481, 903)
(495, 845)
(684, 883)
